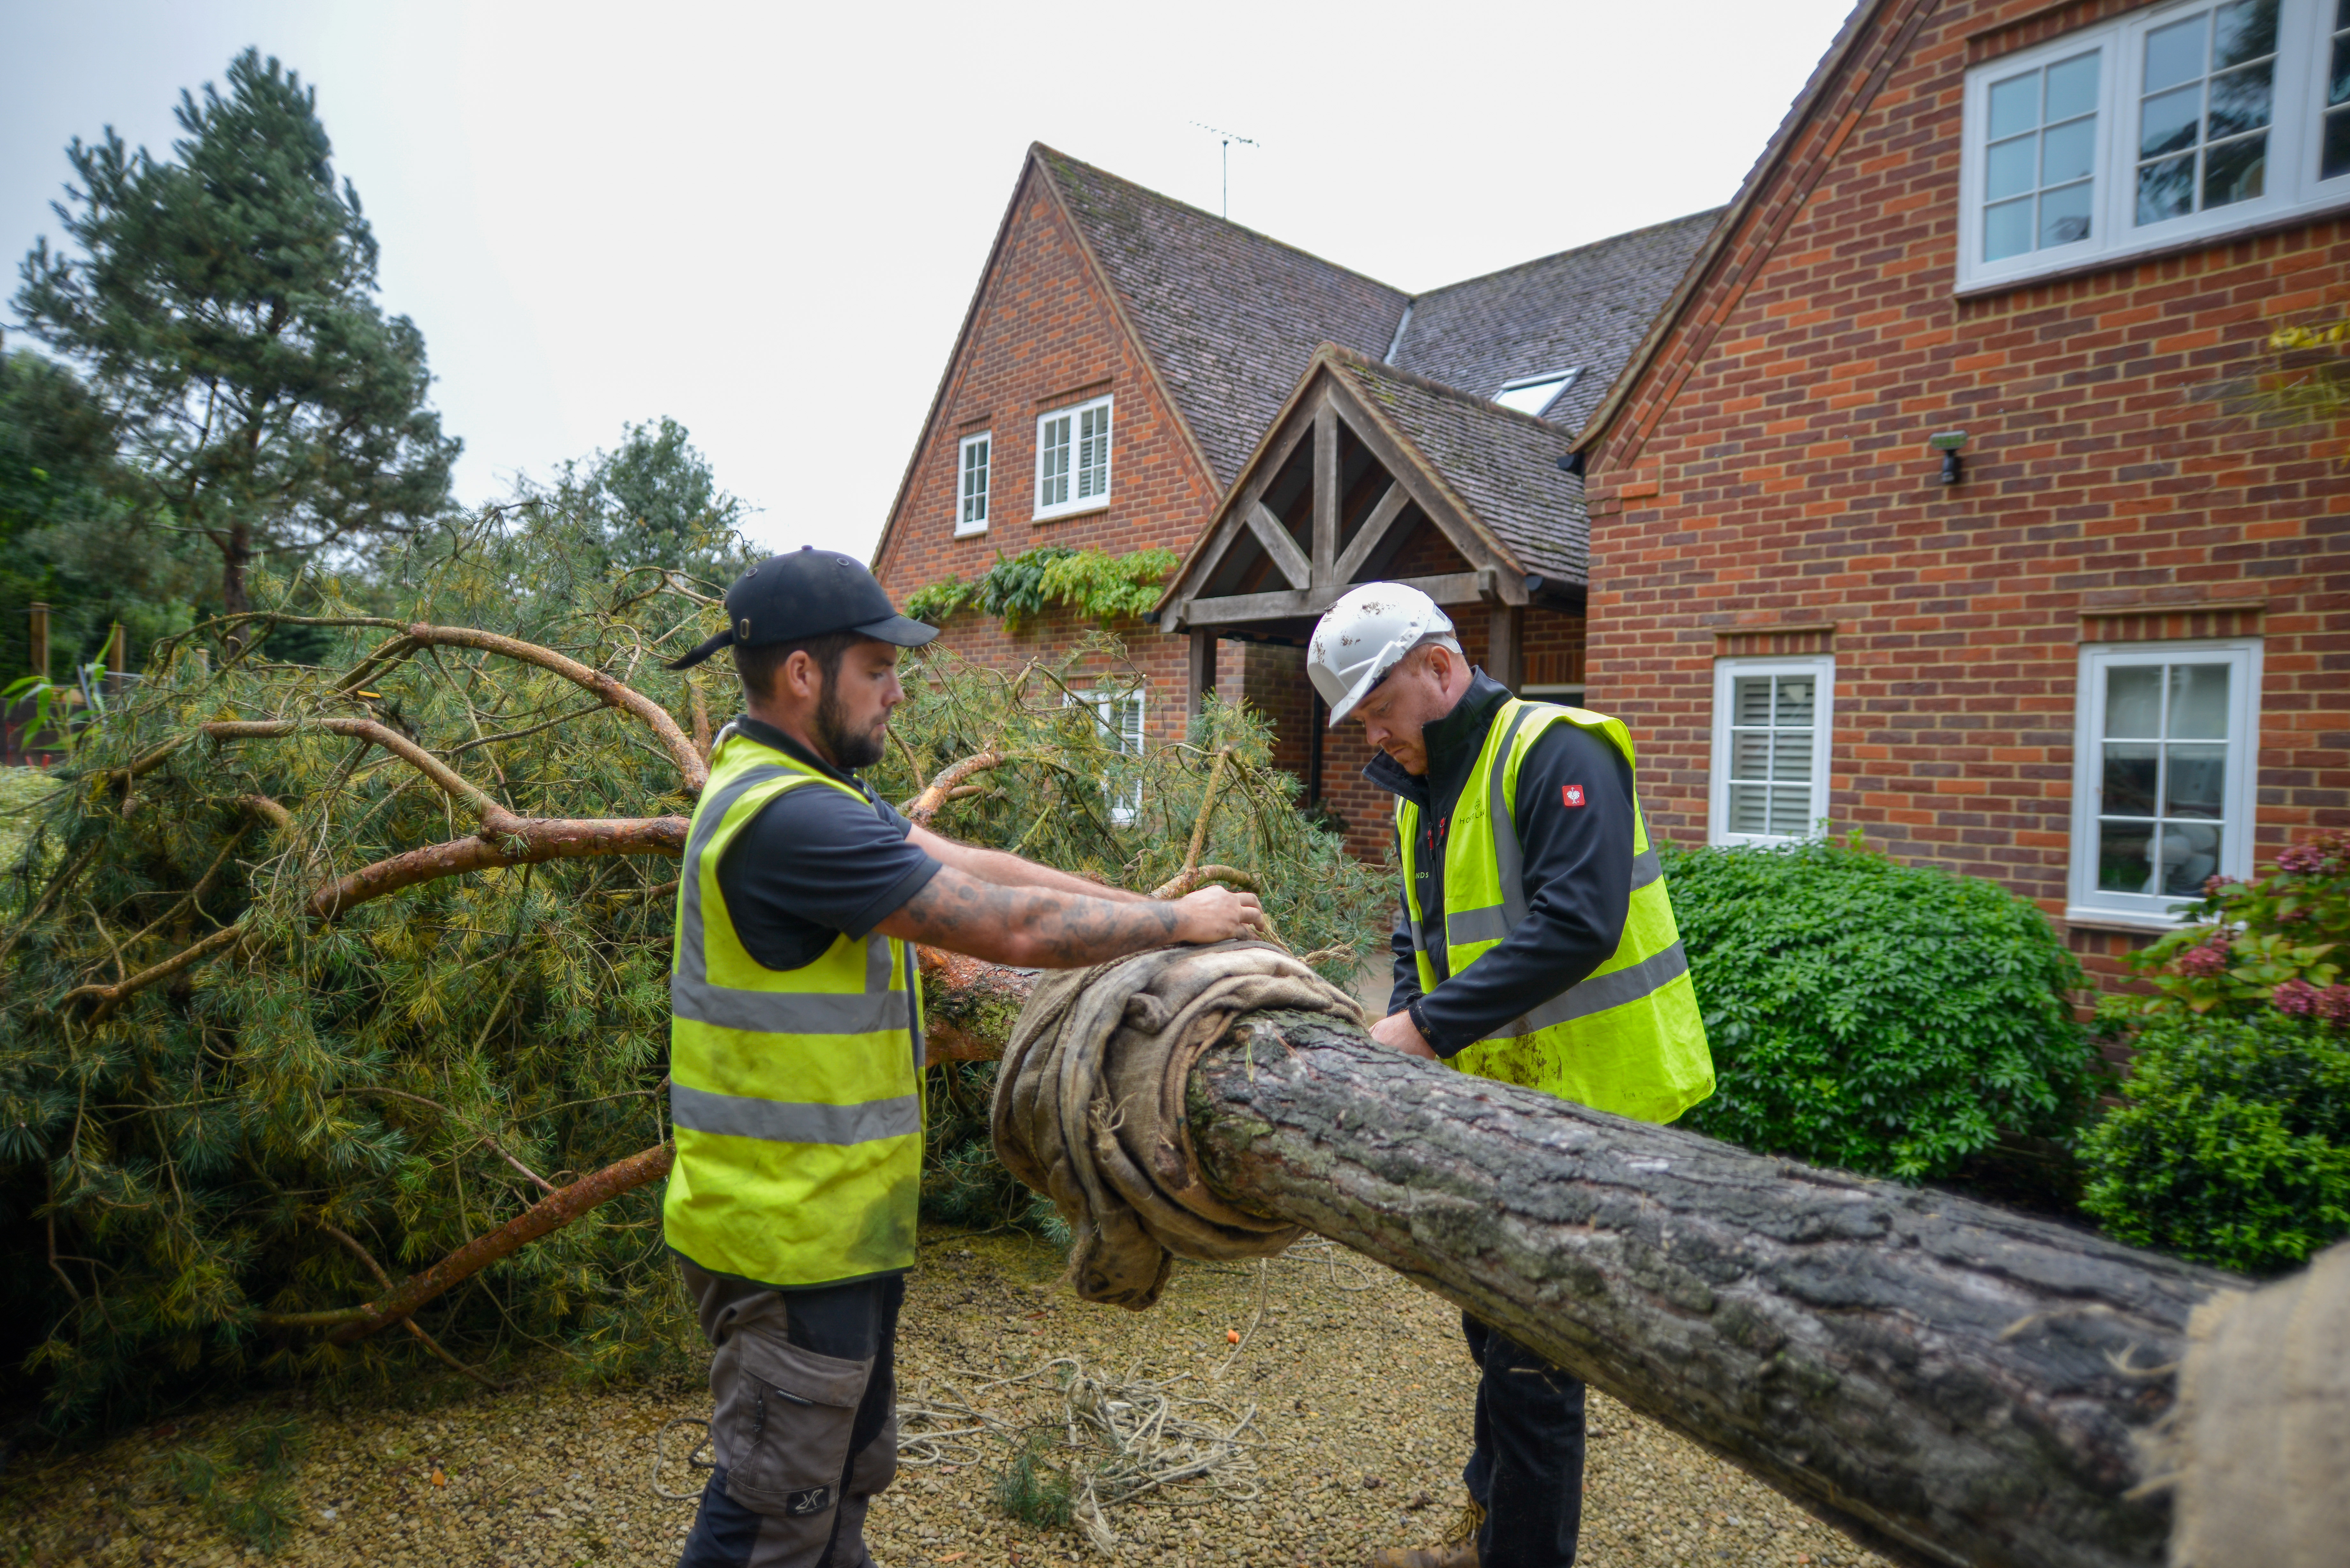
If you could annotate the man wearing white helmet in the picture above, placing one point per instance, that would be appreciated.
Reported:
(1533, 944)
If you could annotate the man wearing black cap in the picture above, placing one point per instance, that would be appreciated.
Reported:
(796, 1051)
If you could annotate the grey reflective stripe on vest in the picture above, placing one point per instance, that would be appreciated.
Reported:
(1646, 867)
(789, 1121)
(1603, 992)
(692, 996)
(1489, 924)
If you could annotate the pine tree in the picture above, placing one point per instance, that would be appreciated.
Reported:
(655, 502)
(223, 301)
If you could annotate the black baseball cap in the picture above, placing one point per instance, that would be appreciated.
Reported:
(808, 593)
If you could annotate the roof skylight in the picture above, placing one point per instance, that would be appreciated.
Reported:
(1533, 394)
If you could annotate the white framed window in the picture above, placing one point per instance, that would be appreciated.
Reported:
(971, 483)
(2164, 758)
(1772, 720)
(1073, 459)
(1118, 714)
(2169, 124)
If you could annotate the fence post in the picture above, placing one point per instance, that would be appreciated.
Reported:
(38, 615)
(117, 651)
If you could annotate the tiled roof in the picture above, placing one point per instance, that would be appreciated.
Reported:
(1504, 464)
(1589, 307)
(1229, 317)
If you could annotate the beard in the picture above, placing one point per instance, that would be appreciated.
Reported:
(848, 749)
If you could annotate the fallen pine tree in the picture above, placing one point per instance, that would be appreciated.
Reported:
(333, 995)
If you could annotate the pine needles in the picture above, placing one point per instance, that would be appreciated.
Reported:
(314, 974)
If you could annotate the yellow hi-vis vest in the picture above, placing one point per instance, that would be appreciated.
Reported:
(796, 1093)
(1626, 1039)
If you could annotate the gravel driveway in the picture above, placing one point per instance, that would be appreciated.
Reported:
(1360, 1388)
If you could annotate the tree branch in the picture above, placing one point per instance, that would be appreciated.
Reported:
(456, 785)
(514, 841)
(1186, 881)
(691, 768)
(925, 805)
(552, 1212)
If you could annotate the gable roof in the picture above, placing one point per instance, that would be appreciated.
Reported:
(1714, 257)
(1503, 464)
(1588, 309)
(1228, 317)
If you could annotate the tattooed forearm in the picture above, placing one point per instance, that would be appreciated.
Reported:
(1008, 870)
(1037, 926)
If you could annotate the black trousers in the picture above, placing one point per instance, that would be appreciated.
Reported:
(1526, 1470)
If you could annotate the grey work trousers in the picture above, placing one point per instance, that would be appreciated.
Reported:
(805, 1427)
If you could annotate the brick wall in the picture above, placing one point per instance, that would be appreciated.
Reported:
(1770, 470)
(1044, 334)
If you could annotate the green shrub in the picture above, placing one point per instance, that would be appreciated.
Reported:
(2233, 1143)
(1019, 588)
(1035, 1488)
(1884, 1018)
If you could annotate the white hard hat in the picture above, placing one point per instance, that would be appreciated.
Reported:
(1365, 635)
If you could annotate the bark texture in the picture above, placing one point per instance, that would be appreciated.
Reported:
(1946, 1379)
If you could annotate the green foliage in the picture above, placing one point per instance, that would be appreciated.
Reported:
(1884, 1018)
(1035, 1488)
(248, 1489)
(2233, 1143)
(214, 1152)
(185, 1154)
(2272, 942)
(1019, 588)
(963, 1184)
(73, 530)
(226, 301)
(655, 503)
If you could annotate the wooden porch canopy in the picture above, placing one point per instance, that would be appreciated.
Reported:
(1368, 474)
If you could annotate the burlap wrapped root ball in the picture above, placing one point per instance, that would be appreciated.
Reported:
(1089, 1107)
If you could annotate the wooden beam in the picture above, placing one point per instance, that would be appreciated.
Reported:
(1240, 609)
(1203, 672)
(1277, 544)
(1505, 654)
(1373, 529)
(1326, 491)
(1475, 545)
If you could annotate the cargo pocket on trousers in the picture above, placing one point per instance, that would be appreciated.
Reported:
(788, 1415)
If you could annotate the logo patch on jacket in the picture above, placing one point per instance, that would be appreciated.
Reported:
(1572, 794)
(815, 1500)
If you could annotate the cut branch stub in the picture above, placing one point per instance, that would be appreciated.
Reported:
(942, 789)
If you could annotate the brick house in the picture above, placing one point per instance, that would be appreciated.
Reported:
(1133, 372)
(2112, 658)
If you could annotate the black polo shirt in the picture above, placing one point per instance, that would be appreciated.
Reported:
(816, 863)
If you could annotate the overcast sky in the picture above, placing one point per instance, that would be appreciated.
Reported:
(767, 221)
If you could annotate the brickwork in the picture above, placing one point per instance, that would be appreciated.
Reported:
(1044, 333)
(1766, 477)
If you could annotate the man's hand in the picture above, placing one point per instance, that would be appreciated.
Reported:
(1397, 1032)
(1217, 914)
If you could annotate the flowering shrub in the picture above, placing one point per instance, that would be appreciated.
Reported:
(2233, 1144)
(2277, 942)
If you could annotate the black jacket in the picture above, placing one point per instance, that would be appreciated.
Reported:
(1579, 870)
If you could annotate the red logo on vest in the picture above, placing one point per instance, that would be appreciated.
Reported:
(1571, 793)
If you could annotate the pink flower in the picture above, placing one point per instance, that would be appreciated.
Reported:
(2297, 997)
(2302, 857)
(2334, 1005)
(2204, 960)
(2212, 885)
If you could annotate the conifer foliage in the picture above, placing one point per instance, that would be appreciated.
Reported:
(225, 298)
(334, 1022)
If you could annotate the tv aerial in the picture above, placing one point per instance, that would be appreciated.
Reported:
(1228, 138)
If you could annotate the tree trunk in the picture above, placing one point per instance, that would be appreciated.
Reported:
(1950, 1381)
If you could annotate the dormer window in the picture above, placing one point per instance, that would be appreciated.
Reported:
(1533, 394)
